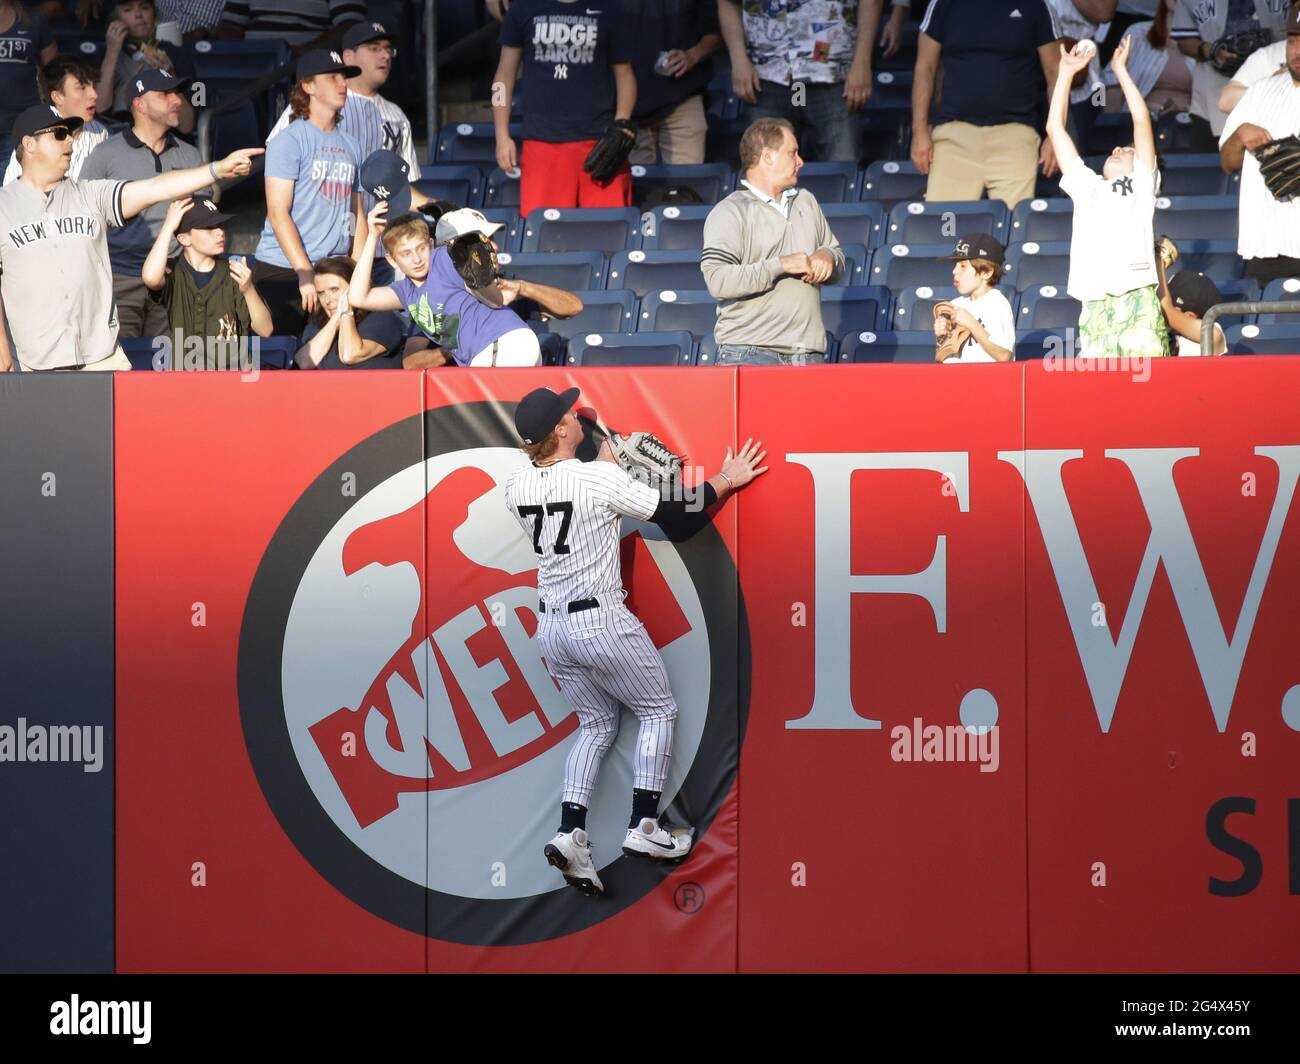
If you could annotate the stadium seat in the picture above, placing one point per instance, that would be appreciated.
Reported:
(898, 266)
(892, 91)
(1284, 289)
(1176, 134)
(461, 184)
(854, 308)
(502, 189)
(607, 230)
(572, 270)
(1047, 306)
(1195, 175)
(831, 182)
(603, 311)
(509, 238)
(706, 350)
(1218, 258)
(1041, 220)
(140, 351)
(276, 352)
(722, 142)
(674, 228)
(914, 307)
(883, 135)
(871, 346)
(712, 181)
(1197, 218)
(919, 222)
(646, 271)
(1263, 339)
(245, 60)
(691, 310)
(466, 142)
(857, 265)
(857, 223)
(1039, 343)
(890, 182)
(637, 349)
(1032, 263)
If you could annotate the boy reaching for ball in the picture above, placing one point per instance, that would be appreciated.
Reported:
(1112, 247)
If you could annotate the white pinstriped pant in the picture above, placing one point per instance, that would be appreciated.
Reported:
(600, 658)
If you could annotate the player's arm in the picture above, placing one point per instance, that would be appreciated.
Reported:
(360, 294)
(555, 302)
(154, 271)
(140, 195)
(1144, 138)
(1070, 63)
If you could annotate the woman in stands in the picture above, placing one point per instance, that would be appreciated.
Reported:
(26, 45)
(130, 45)
(338, 337)
(1162, 73)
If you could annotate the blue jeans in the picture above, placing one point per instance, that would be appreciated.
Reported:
(743, 355)
(824, 119)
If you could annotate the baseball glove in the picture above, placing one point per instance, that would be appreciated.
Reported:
(475, 259)
(645, 457)
(1166, 251)
(1279, 165)
(949, 337)
(1231, 51)
(611, 151)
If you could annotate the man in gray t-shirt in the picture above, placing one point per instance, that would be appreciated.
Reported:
(56, 284)
(149, 147)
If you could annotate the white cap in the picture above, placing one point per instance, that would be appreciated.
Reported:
(466, 220)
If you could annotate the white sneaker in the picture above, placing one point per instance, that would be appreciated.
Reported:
(570, 852)
(659, 840)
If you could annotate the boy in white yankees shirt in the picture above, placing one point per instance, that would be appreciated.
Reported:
(595, 648)
(980, 307)
(1112, 246)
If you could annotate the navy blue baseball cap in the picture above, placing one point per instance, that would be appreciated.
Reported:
(540, 411)
(41, 116)
(363, 33)
(386, 176)
(151, 79)
(323, 61)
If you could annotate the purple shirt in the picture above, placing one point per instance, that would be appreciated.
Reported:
(446, 312)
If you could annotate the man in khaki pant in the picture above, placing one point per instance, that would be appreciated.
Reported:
(986, 124)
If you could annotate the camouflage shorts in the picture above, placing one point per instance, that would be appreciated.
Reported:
(1127, 326)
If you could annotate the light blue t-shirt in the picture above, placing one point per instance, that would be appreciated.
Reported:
(326, 168)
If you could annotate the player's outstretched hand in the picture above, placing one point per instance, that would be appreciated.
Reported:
(744, 467)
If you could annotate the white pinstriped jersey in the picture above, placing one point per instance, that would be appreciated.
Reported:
(374, 123)
(1069, 21)
(1145, 63)
(88, 138)
(1265, 227)
(1262, 64)
(571, 511)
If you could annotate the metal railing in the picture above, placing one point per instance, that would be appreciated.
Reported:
(1259, 307)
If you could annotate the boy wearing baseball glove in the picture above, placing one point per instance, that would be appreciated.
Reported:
(979, 325)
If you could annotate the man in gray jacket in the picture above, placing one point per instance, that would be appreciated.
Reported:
(767, 248)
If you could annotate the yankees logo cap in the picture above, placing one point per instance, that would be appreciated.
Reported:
(385, 176)
(202, 215)
(41, 116)
(1193, 292)
(364, 33)
(978, 246)
(1293, 19)
(540, 411)
(151, 79)
(466, 220)
(323, 61)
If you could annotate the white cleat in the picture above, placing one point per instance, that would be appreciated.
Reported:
(570, 852)
(658, 840)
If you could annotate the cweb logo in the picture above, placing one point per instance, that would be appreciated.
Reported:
(396, 708)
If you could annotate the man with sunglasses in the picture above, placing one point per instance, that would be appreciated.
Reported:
(56, 281)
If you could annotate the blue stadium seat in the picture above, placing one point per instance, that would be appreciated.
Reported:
(857, 223)
(245, 60)
(603, 311)
(831, 182)
(470, 142)
(706, 350)
(277, 352)
(1218, 258)
(854, 308)
(890, 181)
(636, 349)
(914, 307)
(608, 230)
(1263, 339)
(1284, 289)
(462, 184)
(140, 351)
(1032, 263)
(711, 180)
(883, 135)
(1041, 220)
(1038, 343)
(509, 238)
(871, 346)
(898, 266)
(502, 189)
(646, 271)
(1175, 133)
(572, 270)
(674, 228)
(1197, 217)
(1195, 175)
(857, 265)
(690, 310)
(919, 222)
(1047, 306)
(892, 91)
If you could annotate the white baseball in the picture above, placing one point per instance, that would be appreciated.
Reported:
(1085, 49)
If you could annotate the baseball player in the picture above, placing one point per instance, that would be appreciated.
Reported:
(55, 276)
(595, 648)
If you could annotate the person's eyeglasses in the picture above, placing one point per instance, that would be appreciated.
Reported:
(58, 132)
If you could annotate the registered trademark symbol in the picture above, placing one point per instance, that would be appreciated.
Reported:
(689, 898)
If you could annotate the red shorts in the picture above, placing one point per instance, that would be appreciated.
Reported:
(551, 175)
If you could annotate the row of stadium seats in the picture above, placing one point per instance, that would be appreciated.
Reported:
(477, 182)
(1183, 218)
(680, 348)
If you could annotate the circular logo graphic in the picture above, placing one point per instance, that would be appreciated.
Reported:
(397, 711)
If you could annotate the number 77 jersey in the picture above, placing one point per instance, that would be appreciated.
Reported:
(571, 512)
